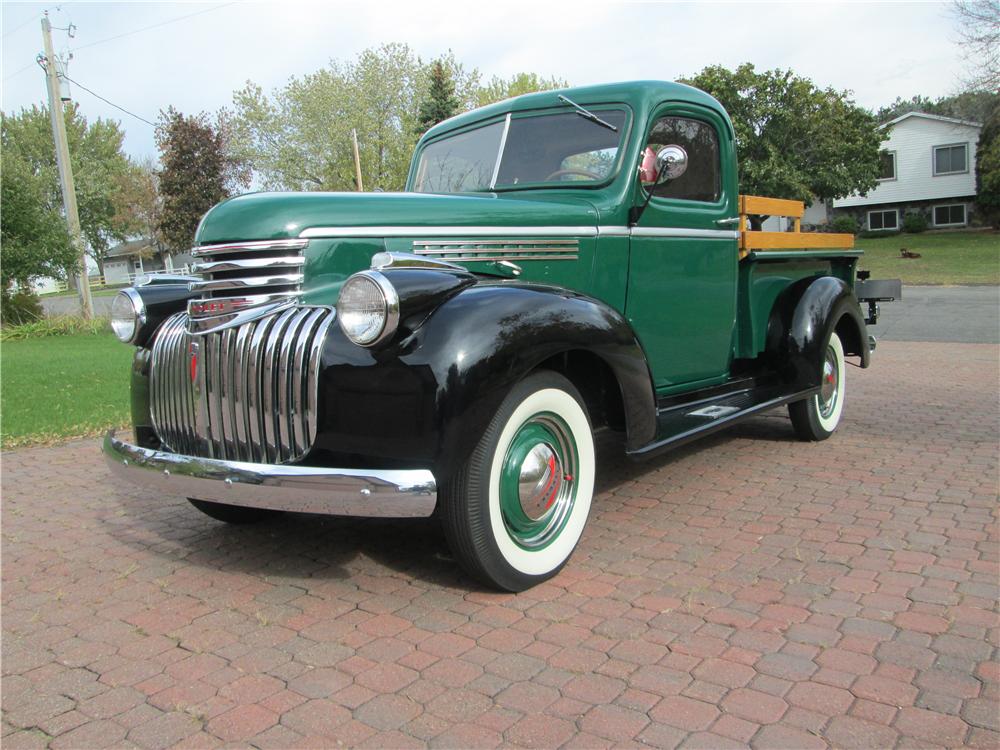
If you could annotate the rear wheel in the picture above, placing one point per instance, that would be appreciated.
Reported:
(235, 514)
(816, 417)
(514, 513)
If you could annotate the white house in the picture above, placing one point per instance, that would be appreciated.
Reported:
(928, 167)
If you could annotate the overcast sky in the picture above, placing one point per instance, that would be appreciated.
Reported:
(878, 50)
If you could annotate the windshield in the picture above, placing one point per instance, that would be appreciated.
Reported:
(564, 149)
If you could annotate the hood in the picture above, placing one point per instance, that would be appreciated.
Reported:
(265, 216)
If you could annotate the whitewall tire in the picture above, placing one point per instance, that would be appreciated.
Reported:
(816, 417)
(516, 511)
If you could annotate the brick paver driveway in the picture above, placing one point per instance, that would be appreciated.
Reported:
(746, 590)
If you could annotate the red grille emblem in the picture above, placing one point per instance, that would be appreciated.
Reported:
(193, 360)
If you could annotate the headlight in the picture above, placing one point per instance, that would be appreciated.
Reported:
(128, 315)
(368, 308)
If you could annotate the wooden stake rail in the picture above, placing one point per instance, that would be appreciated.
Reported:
(794, 240)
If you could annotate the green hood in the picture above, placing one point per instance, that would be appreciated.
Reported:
(265, 216)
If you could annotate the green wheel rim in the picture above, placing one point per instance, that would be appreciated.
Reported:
(538, 481)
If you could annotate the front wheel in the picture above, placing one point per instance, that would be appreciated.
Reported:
(816, 417)
(235, 514)
(514, 513)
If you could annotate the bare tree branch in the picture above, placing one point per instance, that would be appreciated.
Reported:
(979, 37)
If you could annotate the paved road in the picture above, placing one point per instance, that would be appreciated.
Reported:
(748, 589)
(968, 314)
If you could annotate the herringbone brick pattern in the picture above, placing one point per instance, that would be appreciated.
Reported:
(747, 590)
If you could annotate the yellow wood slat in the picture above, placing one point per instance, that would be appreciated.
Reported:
(794, 240)
(756, 204)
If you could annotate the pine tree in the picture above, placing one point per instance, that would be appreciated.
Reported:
(440, 103)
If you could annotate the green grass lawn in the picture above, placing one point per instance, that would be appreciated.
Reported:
(946, 257)
(62, 386)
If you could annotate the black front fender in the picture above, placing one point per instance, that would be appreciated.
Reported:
(425, 400)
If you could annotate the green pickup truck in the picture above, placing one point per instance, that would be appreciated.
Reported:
(558, 263)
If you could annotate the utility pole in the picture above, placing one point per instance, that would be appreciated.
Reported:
(357, 160)
(65, 169)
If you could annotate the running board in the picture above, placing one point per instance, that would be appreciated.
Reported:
(681, 423)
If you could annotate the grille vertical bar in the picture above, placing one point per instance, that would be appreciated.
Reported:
(254, 395)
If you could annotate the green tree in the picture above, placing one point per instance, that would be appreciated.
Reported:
(34, 242)
(498, 89)
(298, 137)
(974, 106)
(988, 170)
(98, 163)
(440, 102)
(197, 172)
(795, 140)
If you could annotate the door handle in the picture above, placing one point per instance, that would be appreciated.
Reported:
(733, 220)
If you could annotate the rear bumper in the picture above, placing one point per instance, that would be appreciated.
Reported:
(387, 493)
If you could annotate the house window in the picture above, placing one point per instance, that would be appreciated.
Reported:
(949, 216)
(951, 159)
(887, 165)
(883, 220)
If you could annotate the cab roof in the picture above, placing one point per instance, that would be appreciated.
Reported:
(641, 96)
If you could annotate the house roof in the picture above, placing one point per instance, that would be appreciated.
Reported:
(132, 247)
(929, 116)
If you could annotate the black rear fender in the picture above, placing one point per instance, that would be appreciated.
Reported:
(801, 323)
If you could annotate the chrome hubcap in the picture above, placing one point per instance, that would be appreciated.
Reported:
(539, 482)
(830, 386)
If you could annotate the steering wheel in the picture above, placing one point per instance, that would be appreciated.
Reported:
(582, 172)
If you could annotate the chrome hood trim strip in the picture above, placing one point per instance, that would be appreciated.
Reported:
(551, 231)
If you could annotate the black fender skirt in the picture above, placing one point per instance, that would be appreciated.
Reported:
(425, 399)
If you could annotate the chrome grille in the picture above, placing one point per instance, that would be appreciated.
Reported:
(250, 273)
(245, 393)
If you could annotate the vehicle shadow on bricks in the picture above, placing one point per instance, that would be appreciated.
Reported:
(296, 546)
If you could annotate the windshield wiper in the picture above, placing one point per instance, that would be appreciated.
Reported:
(588, 114)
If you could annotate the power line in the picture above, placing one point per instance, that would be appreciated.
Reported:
(108, 101)
(153, 26)
(21, 26)
(20, 70)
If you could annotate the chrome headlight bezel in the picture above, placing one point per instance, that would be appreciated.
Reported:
(389, 313)
(137, 311)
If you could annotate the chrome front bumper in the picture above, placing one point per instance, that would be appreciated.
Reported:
(384, 493)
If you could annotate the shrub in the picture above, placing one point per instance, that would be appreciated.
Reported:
(915, 223)
(57, 326)
(20, 307)
(844, 225)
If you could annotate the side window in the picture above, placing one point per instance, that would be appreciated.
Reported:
(702, 180)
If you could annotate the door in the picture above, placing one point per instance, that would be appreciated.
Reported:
(683, 255)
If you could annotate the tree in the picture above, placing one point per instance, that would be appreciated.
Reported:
(98, 163)
(439, 102)
(974, 106)
(499, 89)
(34, 241)
(138, 201)
(197, 172)
(979, 38)
(988, 170)
(298, 137)
(795, 140)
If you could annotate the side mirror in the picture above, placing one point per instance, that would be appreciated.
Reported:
(671, 162)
